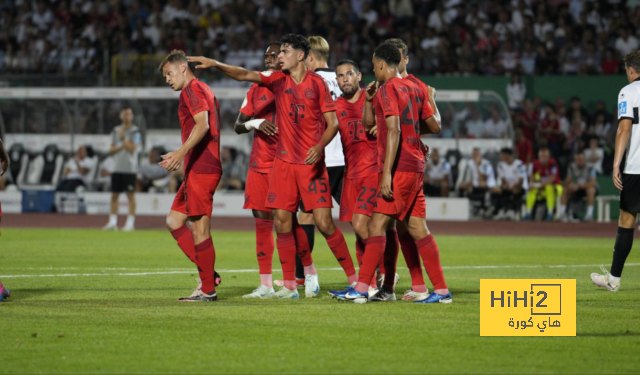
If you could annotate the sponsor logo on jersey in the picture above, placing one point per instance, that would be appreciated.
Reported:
(622, 108)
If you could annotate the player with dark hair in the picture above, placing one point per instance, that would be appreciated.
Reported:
(402, 112)
(199, 114)
(627, 180)
(512, 184)
(360, 184)
(258, 112)
(4, 166)
(305, 114)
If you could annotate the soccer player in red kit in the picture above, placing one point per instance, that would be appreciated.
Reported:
(258, 112)
(360, 183)
(402, 113)
(418, 289)
(305, 114)
(4, 166)
(199, 114)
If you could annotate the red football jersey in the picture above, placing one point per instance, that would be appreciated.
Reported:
(359, 146)
(204, 158)
(400, 97)
(260, 104)
(299, 112)
(547, 172)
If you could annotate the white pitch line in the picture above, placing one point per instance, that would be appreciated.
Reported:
(188, 271)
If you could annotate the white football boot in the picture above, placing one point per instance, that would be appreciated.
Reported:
(283, 293)
(605, 281)
(260, 292)
(311, 286)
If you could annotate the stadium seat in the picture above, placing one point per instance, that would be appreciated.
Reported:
(19, 160)
(44, 168)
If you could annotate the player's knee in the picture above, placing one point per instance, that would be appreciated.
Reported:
(361, 228)
(325, 225)
(171, 223)
(376, 228)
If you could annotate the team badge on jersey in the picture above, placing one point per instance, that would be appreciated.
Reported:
(308, 93)
(622, 108)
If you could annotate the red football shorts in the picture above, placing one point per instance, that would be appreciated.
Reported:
(358, 196)
(291, 183)
(256, 190)
(408, 197)
(195, 196)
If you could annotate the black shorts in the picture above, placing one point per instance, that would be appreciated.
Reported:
(123, 182)
(432, 190)
(581, 194)
(630, 194)
(336, 175)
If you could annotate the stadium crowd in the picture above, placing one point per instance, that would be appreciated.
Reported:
(445, 37)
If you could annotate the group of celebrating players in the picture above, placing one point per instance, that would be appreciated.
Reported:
(295, 115)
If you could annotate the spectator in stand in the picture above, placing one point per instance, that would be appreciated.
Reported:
(550, 134)
(610, 64)
(529, 120)
(594, 155)
(233, 169)
(524, 148)
(152, 174)
(437, 176)
(478, 179)
(516, 92)
(579, 183)
(474, 125)
(512, 184)
(76, 172)
(626, 42)
(495, 126)
(601, 128)
(544, 183)
(103, 180)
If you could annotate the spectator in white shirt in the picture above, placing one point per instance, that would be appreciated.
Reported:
(594, 155)
(495, 127)
(76, 171)
(626, 43)
(516, 92)
(478, 179)
(437, 176)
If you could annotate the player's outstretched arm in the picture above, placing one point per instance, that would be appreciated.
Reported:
(4, 159)
(232, 71)
(244, 124)
(433, 124)
(622, 138)
(173, 160)
(393, 139)
(315, 152)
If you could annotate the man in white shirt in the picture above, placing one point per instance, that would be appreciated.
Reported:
(626, 43)
(580, 183)
(478, 180)
(512, 184)
(494, 127)
(76, 171)
(437, 176)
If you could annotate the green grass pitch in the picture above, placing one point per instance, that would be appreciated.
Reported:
(106, 303)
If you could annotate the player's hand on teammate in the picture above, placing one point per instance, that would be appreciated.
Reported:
(374, 131)
(372, 90)
(385, 186)
(617, 178)
(205, 63)
(268, 127)
(172, 161)
(314, 154)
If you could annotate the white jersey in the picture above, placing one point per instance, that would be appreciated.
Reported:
(513, 172)
(439, 170)
(486, 169)
(333, 154)
(628, 106)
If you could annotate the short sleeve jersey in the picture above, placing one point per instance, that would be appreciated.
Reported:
(360, 147)
(299, 112)
(513, 172)
(204, 158)
(260, 104)
(125, 161)
(628, 107)
(545, 173)
(401, 97)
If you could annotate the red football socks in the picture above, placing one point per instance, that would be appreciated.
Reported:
(286, 243)
(390, 259)
(428, 250)
(185, 242)
(302, 244)
(341, 251)
(360, 245)
(411, 256)
(372, 255)
(206, 260)
(264, 250)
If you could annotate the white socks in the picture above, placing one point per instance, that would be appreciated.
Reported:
(590, 211)
(113, 219)
(130, 221)
(614, 279)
